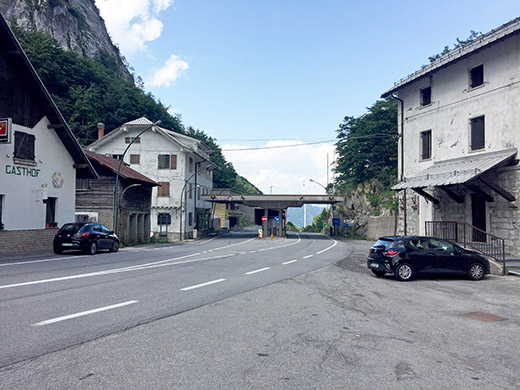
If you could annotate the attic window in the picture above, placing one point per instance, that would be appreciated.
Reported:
(426, 96)
(130, 139)
(476, 76)
(24, 148)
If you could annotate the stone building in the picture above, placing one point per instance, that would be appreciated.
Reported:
(178, 163)
(459, 127)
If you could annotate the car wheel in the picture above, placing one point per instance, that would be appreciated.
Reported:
(115, 247)
(92, 248)
(57, 250)
(476, 271)
(404, 272)
(379, 274)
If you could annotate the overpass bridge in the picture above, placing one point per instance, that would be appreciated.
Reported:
(271, 210)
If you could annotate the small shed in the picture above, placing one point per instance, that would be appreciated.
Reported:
(95, 199)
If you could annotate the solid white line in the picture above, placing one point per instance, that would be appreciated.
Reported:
(252, 251)
(330, 247)
(308, 256)
(84, 313)
(257, 270)
(42, 261)
(202, 284)
(229, 246)
(289, 262)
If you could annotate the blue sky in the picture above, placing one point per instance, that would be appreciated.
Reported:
(256, 73)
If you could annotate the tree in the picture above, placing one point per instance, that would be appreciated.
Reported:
(367, 145)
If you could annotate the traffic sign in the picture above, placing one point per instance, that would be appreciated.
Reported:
(277, 218)
(264, 219)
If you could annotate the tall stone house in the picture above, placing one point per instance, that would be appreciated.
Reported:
(459, 126)
(178, 163)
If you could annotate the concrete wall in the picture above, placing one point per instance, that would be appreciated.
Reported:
(380, 226)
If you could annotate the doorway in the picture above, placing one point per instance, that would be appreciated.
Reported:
(478, 218)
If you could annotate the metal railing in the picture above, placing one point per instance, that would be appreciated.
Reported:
(469, 236)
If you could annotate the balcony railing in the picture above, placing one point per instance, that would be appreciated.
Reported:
(469, 236)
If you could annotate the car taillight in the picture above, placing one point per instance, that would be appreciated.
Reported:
(86, 234)
(390, 253)
(57, 234)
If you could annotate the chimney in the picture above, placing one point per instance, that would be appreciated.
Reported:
(100, 130)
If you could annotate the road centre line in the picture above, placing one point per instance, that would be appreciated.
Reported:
(202, 285)
(330, 247)
(307, 257)
(289, 262)
(84, 313)
(257, 270)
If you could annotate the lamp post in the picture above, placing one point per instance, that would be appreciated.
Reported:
(116, 190)
(326, 192)
(181, 212)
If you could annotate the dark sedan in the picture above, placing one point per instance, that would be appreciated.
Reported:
(89, 237)
(407, 257)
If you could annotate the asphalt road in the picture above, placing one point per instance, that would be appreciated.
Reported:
(52, 303)
(317, 323)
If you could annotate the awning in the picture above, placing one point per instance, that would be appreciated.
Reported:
(457, 171)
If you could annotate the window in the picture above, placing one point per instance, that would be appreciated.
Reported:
(117, 156)
(82, 184)
(130, 139)
(426, 96)
(167, 161)
(1, 202)
(477, 141)
(24, 148)
(50, 212)
(163, 189)
(426, 144)
(164, 219)
(135, 159)
(191, 191)
(476, 76)
(190, 219)
(191, 165)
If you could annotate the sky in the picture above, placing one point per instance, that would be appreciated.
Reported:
(272, 80)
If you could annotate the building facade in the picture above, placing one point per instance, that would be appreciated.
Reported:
(179, 164)
(40, 158)
(459, 127)
(95, 199)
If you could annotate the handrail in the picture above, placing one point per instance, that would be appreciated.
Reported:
(469, 236)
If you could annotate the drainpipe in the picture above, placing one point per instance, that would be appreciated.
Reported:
(402, 159)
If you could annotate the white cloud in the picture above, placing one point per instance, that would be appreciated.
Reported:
(284, 169)
(173, 68)
(133, 23)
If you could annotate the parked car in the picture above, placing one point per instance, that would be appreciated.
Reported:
(409, 256)
(89, 237)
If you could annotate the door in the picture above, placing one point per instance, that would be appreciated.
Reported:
(478, 218)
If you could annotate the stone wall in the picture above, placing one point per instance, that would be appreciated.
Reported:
(26, 241)
(380, 226)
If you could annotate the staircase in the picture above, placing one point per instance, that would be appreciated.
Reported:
(469, 236)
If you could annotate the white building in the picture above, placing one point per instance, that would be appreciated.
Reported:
(40, 158)
(180, 164)
(459, 122)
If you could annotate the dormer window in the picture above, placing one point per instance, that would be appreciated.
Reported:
(24, 148)
(426, 96)
(476, 76)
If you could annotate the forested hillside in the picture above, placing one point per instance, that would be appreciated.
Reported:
(88, 91)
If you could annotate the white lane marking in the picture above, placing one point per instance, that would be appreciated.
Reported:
(308, 256)
(84, 313)
(205, 241)
(289, 262)
(42, 261)
(252, 251)
(330, 247)
(202, 285)
(232, 245)
(257, 270)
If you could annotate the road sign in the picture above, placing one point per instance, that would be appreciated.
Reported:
(264, 219)
(336, 222)
(277, 218)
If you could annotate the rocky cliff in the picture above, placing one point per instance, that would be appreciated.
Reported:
(75, 24)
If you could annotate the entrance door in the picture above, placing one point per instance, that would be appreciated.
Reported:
(478, 217)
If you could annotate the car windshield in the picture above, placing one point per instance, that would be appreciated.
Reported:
(71, 227)
(383, 242)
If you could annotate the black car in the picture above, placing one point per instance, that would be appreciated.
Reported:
(89, 237)
(409, 256)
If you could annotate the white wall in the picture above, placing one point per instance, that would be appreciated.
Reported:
(23, 206)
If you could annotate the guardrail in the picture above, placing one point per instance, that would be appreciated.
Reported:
(469, 236)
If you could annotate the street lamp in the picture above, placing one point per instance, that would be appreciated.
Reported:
(116, 191)
(186, 181)
(321, 185)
